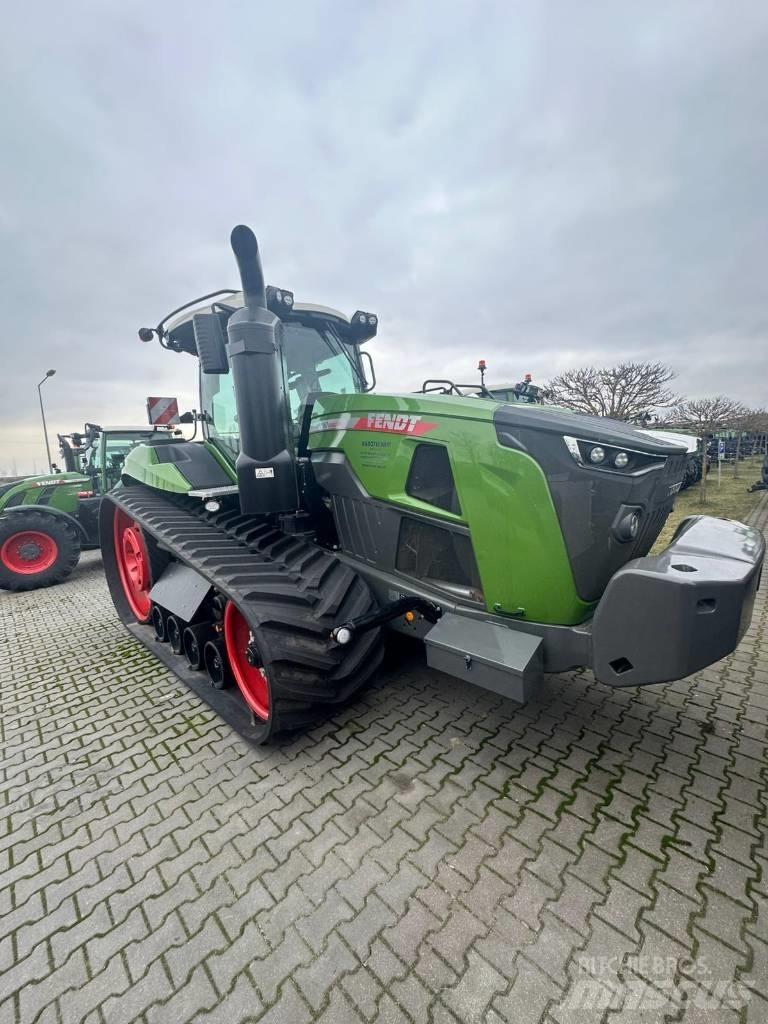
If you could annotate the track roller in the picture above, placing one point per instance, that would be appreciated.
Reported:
(216, 665)
(174, 629)
(193, 641)
(158, 623)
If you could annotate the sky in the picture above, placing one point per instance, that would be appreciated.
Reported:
(540, 184)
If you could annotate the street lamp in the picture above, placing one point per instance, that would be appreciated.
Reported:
(48, 373)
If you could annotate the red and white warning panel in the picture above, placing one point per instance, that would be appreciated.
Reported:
(163, 412)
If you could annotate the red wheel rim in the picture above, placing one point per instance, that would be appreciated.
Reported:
(251, 679)
(28, 552)
(133, 565)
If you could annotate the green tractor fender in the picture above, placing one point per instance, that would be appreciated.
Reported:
(47, 510)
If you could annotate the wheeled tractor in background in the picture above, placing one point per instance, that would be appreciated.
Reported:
(46, 521)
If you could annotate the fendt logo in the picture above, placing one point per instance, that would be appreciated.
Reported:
(394, 423)
(381, 422)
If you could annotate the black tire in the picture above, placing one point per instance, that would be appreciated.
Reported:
(61, 533)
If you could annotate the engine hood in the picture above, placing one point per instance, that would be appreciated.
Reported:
(517, 419)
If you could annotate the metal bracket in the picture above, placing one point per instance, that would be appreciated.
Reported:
(213, 492)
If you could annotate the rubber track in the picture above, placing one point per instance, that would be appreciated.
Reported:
(290, 591)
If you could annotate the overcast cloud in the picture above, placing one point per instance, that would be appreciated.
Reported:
(539, 184)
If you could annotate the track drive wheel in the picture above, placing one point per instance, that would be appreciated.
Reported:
(247, 664)
(136, 561)
(37, 549)
(287, 676)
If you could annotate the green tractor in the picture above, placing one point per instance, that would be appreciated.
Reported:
(263, 563)
(45, 521)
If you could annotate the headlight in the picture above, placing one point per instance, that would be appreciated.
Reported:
(362, 326)
(279, 300)
(611, 458)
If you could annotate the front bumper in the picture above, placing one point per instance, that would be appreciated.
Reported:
(665, 616)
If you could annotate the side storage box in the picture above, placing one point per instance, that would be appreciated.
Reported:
(485, 654)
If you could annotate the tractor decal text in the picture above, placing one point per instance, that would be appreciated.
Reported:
(386, 422)
(395, 423)
(59, 483)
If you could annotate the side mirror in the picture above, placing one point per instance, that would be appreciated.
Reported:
(210, 344)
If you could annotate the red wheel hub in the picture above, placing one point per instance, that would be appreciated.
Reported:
(133, 565)
(28, 552)
(252, 679)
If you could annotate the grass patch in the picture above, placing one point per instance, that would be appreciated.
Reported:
(728, 501)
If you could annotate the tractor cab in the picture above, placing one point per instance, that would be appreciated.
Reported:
(524, 391)
(99, 452)
(102, 451)
(320, 349)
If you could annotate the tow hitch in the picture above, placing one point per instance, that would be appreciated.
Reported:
(345, 631)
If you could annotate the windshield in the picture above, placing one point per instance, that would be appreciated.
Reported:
(316, 359)
(116, 447)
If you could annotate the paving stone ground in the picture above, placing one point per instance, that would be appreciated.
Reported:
(432, 853)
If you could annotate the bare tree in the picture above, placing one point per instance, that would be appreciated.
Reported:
(623, 392)
(707, 416)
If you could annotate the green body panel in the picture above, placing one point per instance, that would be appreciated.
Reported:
(58, 491)
(504, 497)
(141, 465)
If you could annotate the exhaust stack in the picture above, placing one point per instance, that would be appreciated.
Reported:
(266, 473)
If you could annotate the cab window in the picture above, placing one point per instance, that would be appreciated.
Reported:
(317, 360)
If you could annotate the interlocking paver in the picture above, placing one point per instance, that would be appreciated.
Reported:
(478, 985)
(430, 853)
